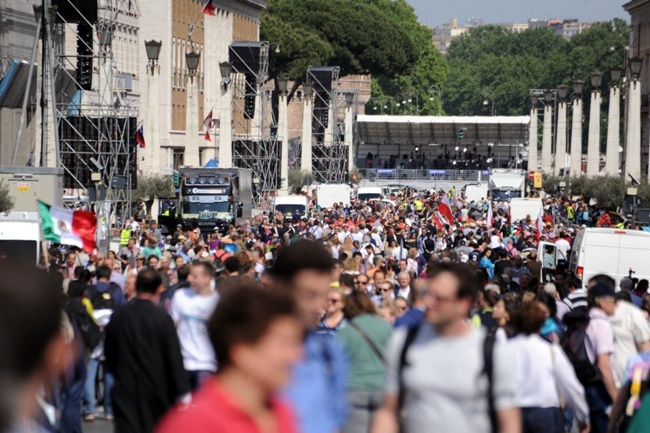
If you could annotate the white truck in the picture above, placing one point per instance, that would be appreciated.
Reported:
(616, 252)
(20, 236)
(476, 192)
(370, 193)
(292, 205)
(521, 208)
(327, 195)
(505, 184)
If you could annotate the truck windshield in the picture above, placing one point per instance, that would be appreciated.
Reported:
(505, 194)
(369, 196)
(291, 209)
(24, 251)
(206, 210)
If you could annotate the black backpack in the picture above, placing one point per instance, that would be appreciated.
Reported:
(91, 334)
(488, 369)
(103, 300)
(574, 343)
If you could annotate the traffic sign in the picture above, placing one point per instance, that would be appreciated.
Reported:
(531, 175)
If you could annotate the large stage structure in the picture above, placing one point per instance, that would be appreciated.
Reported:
(255, 145)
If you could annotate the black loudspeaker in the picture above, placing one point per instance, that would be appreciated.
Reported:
(85, 56)
(245, 57)
(76, 11)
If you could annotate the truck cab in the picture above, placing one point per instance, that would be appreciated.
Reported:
(292, 206)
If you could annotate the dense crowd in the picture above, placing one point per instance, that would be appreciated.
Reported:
(435, 314)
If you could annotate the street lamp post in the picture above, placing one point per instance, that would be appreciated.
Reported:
(305, 157)
(283, 134)
(192, 151)
(348, 138)
(575, 158)
(151, 152)
(613, 123)
(633, 138)
(560, 141)
(225, 109)
(593, 144)
(532, 134)
(487, 97)
(547, 132)
(436, 89)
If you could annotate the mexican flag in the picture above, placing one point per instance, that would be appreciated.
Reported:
(68, 227)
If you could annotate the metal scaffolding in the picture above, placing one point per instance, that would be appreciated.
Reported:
(255, 146)
(97, 149)
(329, 153)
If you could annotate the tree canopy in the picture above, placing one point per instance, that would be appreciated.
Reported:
(491, 62)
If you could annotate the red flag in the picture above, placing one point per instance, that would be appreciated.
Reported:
(139, 136)
(437, 222)
(209, 8)
(490, 216)
(442, 218)
(208, 120)
(540, 224)
(207, 136)
(445, 209)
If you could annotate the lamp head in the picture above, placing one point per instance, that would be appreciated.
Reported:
(192, 58)
(596, 80)
(153, 50)
(548, 96)
(635, 66)
(578, 87)
(615, 74)
(283, 84)
(226, 69)
(349, 99)
(308, 90)
(562, 90)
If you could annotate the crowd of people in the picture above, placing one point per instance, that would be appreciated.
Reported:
(432, 315)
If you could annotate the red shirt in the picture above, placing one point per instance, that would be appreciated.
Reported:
(212, 411)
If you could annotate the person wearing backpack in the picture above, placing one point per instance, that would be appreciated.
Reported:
(589, 345)
(105, 294)
(105, 297)
(444, 375)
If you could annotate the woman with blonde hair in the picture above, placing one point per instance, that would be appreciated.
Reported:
(347, 246)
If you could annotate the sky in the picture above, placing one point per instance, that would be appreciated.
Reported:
(437, 12)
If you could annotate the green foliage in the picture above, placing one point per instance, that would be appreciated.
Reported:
(355, 35)
(151, 187)
(508, 65)
(608, 191)
(7, 201)
(297, 179)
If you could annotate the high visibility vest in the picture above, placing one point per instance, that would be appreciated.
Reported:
(419, 205)
(125, 235)
(570, 212)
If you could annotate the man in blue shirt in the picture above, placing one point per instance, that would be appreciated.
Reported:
(318, 389)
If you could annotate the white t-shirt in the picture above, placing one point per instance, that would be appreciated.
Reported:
(630, 328)
(191, 311)
(443, 381)
(495, 242)
(563, 245)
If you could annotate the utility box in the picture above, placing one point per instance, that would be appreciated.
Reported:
(28, 184)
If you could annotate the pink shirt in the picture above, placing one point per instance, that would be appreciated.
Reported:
(601, 336)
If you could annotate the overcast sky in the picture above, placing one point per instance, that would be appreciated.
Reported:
(437, 12)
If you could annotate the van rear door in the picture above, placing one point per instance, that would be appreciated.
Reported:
(601, 254)
(634, 250)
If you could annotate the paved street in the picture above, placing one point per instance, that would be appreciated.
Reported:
(99, 426)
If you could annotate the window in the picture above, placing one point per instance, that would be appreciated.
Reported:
(179, 157)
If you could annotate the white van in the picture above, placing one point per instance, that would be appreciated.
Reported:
(327, 195)
(370, 193)
(614, 252)
(20, 236)
(476, 192)
(520, 208)
(292, 205)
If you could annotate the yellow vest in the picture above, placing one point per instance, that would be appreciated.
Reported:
(125, 235)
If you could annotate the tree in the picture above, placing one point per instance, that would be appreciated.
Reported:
(357, 36)
(297, 179)
(7, 201)
(151, 187)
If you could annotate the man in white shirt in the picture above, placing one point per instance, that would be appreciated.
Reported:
(190, 309)
(631, 336)
(562, 244)
(403, 287)
(456, 399)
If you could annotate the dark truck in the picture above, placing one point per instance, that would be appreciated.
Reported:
(209, 198)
